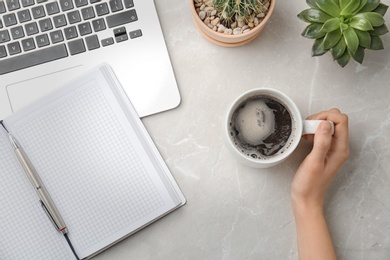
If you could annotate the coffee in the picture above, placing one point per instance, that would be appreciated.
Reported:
(261, 127)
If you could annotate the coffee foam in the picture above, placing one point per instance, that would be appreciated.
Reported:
(255, 122)
(255, 137)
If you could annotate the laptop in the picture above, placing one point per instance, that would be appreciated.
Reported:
(45, 43)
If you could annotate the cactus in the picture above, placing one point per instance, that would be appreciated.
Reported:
(239, 10)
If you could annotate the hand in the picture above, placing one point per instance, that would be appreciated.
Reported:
(311, 182)
(319, 168)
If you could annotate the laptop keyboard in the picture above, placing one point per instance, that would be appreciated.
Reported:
(33, 32)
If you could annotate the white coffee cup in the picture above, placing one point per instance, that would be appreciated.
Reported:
(299, 127)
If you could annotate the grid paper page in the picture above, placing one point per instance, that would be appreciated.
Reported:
(85, 156)
(25, 230)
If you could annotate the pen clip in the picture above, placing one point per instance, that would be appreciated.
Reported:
(49, 215)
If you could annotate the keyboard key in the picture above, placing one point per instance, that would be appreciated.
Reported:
(116, 5)
(121, 38)
(129, 3)
(122, 18)
(84, 28)
(56, 36)
(13, 5)
(120, 34)
(92, 42)
(33, 58)
(52, 8)
(38, 12)
(13, 48)
(28, 44)
(102, 9)
(80, 3)
(98, 25)
(87, 13)
(17, 32)
(45, 25)
(31, 28)
(42, 40)
(3, 52)
(4, 36)
(76, 46)
(119, 31)
(107, 41)
(135, 34)
(24, 16)
(70, 32)
(26, 3)
(9, 19)
(66, 5)
(59, 20)
(74, 17)
(2, 8)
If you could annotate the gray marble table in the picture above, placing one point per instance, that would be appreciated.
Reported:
(236, 212)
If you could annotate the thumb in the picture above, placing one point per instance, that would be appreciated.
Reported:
(322, 141)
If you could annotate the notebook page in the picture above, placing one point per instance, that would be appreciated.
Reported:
(92, 163)
(25, 230)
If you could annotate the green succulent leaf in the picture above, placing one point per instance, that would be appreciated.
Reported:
(380, 30)
(331, 25)
(375, 19)
(344, 59)
(351, 39)
(338, 49)
(364, 38)
(381, 9)
(329, 7)
(311, 3)
(302, 17)
(343, 26)
(314, 15)
(351, 8)
(358, 55)
(343, 3)
(318, 47)
(362, 3)
(376, 43)
(360, 24)
(312, 31)
(331, 39)
(370, 6)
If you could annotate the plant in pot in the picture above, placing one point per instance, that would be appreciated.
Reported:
(231, 23)
(345, 28)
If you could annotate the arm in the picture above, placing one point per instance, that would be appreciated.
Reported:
(311, 183)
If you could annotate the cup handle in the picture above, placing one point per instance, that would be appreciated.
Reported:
(310, 126)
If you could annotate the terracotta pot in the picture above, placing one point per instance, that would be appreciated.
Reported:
(225, 39)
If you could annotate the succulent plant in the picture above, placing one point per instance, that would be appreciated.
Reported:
(345, 28)
(243, 10)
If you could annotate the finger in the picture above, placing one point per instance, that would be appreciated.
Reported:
(316, 115)
(334, 110)
(322, 141)
(340, 120)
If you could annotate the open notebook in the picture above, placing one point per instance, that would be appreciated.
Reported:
(97, 162)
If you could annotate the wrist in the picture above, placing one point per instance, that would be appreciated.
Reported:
(305, 207)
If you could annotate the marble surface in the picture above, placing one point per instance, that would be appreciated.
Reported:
(236, 212)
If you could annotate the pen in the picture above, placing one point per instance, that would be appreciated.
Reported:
(46, 201)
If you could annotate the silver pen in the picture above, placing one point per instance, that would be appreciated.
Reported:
(45, 199)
